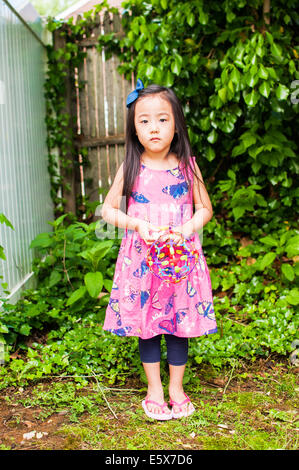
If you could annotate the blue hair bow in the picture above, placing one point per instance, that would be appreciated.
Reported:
(135, 93)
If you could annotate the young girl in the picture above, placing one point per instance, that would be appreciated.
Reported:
(159, 181)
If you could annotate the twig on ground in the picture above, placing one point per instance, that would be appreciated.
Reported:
(102, 392)
(230, 378)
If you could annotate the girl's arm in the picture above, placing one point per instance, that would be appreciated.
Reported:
(203, 207)
(110, 209)
(203, 212)
(112, 214)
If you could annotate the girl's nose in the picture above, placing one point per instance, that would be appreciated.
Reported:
(154, 128)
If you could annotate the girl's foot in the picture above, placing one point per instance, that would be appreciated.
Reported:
(155, 404)
(181, 403)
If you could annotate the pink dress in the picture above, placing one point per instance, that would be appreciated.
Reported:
(140, 303)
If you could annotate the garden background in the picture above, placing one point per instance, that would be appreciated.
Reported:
(234, 66)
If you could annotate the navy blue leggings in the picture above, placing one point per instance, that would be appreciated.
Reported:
(177, 349)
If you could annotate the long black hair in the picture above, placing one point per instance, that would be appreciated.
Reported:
(180, 144)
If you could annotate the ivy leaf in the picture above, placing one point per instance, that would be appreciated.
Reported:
(203, 17)
(263, 73)
(3, 328)
(149, 72)
(210, 153)
(252, 77)
(177, 64)
(150, 44)
(238, 150)
(222, 93)
(205, 123)
(212, 137)
(264, 89)
(276, 50)
(251, 98)
(282, 92)
(169, 79)
(191, 19)
(248, 139)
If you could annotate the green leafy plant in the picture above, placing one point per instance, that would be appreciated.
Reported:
(233, 72)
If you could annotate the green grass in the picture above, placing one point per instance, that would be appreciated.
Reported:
(255, 411)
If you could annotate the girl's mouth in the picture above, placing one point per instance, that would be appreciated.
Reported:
(154, 139)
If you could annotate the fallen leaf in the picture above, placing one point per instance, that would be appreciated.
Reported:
(223, 426)
(244, 241)
(29, 435)
(28, 424)
(39, 435)
(187, 446)
(250, 261)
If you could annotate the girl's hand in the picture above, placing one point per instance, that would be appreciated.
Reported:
(147, 231)
(180, 233)
(176, 237)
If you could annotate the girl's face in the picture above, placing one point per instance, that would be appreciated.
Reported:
(154, 124)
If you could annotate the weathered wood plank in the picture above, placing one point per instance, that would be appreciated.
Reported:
(83, 94)
(110, 90)
(91, 175)
(119, 94)
(100, 91)
(99, 141)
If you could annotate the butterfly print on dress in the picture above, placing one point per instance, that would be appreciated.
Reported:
(176, 190)
(114, 304)
(177, 173)
(144, 296)
(142, 270)
(138, 197)
(191, 291)
(121, 331)
(131, 293)
(170, 326)
(206, 309)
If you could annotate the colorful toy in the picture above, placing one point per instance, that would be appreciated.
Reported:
(172, 262)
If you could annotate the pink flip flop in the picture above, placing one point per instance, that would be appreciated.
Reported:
(181, 413)
(160, 416)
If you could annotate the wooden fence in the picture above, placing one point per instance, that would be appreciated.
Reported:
(98, 113)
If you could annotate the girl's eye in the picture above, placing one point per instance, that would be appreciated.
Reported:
(163, 120)
(144, 121)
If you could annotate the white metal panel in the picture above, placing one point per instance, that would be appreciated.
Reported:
(24, 179)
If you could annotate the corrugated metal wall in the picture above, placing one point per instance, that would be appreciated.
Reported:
(24, 180)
